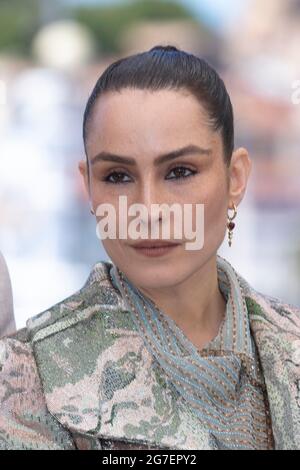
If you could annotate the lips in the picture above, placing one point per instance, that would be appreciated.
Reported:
(154, 244)
(155, 248)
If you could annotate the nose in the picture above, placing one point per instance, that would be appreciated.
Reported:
(148, 196)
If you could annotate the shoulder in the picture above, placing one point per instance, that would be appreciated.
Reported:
(275, 325)
(96, 294)
(3, 267)
(275, 322)
(273, 308)
(281, 306)
(7, 322)
(25, 422)
(263, 308)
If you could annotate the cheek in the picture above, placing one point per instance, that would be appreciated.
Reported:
(112, 248)
(215, 200)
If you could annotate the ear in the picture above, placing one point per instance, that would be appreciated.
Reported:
(239, 171)
(83, 169)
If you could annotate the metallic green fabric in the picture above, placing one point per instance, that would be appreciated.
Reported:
(222, 383)
(81, 376)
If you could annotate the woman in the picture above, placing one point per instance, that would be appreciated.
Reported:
(162, 348)
(7, 321)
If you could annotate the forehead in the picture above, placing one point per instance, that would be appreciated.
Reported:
(140, 120)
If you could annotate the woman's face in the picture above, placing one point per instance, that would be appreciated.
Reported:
(143, 125)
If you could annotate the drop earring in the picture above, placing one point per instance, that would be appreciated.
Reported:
(92, 211)
(230, 224)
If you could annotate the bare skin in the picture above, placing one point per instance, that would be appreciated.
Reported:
(142, 125)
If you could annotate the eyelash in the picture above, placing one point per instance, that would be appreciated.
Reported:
(106, 179)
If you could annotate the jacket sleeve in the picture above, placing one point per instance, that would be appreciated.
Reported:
(25, 422)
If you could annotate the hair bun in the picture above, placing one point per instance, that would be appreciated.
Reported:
(164, 48)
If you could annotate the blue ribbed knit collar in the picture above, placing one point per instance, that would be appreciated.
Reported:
(234, 336)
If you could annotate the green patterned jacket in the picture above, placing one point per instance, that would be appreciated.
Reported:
(79, 377)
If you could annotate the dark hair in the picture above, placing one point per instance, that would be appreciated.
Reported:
(166, 67)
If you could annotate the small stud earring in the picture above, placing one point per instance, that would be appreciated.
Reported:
(230, 224)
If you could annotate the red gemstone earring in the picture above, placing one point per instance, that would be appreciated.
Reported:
(230, 224)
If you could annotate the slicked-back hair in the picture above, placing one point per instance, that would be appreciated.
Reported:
(169, 68)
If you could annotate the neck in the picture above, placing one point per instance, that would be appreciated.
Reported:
(196, 305)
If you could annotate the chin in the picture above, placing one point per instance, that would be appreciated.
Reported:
(158, 276)
(158, 272)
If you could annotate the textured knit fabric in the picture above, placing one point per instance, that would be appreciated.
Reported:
(80, 375)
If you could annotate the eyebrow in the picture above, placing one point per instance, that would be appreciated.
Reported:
(181, 152)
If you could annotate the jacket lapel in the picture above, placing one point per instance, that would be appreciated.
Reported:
(100, 380)
(276, 330)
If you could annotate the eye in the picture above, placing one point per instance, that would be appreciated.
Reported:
(179, 172)
(117, 177)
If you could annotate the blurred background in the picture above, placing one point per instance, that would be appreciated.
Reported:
(51, 54)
